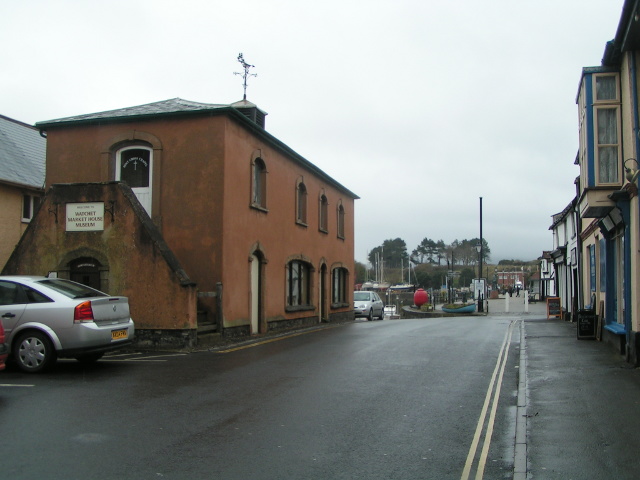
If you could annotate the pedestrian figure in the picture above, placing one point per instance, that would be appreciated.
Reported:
(518, 291)
(511, 291)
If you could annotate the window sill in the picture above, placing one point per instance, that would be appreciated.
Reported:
(255, 206)
(339, 305)
(616, 328)
(302, 224)
(299, 308)
(321, 230)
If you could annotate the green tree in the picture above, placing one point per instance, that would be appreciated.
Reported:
(428, 251)
(360, 272)
(423, 278)
(486, 251)
(392, 252)
(429, 275)
(466, 277)
(465, 252)
(439, 250)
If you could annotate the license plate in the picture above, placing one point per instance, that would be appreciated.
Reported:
(119, 334)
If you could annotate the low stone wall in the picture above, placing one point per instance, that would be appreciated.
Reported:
(408, 312)
(152, 339)
(284, 325)
(289, 324)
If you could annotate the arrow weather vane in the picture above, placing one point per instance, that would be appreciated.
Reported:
(245, 66)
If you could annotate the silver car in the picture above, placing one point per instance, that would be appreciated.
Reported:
(46, 318)
(368, 304)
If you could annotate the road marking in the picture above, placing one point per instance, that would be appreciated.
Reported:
(520, 451)
(14, 385)
(491, 399)
(136, 360)
(275, 339)
(154, 358)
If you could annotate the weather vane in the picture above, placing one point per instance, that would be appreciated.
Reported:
(245, 66)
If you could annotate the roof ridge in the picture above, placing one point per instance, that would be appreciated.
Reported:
(4, 117)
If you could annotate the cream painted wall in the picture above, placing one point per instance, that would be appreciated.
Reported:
(629, 151)
(11, 225)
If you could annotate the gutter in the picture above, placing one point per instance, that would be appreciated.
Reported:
(636, 131)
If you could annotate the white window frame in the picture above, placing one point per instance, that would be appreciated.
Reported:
(144, 194)
(597, 145)
(32, 205)
(597, 100)
(607, 104)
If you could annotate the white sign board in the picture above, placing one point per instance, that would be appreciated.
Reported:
(85, 217)
(479, 288)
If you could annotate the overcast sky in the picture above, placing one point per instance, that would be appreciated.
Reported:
(420, 107)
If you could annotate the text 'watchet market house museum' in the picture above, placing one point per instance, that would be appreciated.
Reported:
(198, 215)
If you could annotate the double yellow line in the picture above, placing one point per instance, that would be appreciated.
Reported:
(270, 340)
(491, 400)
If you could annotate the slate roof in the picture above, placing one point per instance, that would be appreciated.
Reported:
(22, 154)
(171, 106)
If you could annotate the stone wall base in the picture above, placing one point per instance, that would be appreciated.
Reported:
(633, 352)
(289, 324)
(187, 338)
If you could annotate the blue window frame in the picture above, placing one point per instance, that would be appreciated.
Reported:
(592, 268)
(603, 265)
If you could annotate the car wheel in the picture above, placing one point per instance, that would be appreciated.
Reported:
(34, 352)
(89, 358)
(382, 313)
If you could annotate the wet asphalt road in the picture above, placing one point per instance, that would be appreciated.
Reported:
(397, 399)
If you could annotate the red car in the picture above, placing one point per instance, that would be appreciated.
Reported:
(4, 349)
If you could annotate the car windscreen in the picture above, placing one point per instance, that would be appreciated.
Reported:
(71, 289)
(361, 296)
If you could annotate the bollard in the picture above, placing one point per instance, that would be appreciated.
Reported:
(526, 301)
(506, 303)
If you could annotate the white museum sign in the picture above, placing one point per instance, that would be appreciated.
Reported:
(85, 217)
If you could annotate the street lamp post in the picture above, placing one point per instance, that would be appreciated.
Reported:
(479, 247)
(479, 288)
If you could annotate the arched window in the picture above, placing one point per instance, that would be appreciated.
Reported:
(340, 220)
(134, 167)
(259, 184)
(298, 283)
(339, 284)
(301, 204)
(323, 214)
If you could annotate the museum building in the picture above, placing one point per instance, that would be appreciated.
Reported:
(195, 212)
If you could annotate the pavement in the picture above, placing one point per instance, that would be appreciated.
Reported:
(516, 306)
(578, 413)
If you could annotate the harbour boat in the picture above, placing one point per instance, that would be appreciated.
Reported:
(467, 308)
